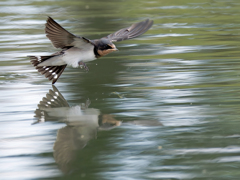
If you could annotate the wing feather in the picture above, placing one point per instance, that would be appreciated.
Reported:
(131, 32)
(61, 38)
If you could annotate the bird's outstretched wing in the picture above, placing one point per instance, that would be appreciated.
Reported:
(61, 38)
(130, 32)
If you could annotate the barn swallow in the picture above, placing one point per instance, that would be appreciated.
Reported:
(77, 50)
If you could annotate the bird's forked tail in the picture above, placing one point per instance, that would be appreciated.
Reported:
(50, 72)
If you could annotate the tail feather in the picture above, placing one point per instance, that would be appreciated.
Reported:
(50, 72)
(53, 99)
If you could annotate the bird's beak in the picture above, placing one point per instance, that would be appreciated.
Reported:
(113, 47)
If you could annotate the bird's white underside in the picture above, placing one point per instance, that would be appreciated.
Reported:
(71, 57)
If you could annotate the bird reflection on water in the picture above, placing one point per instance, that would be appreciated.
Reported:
(82, 125)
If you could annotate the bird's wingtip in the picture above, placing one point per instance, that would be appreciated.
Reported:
(49, 18)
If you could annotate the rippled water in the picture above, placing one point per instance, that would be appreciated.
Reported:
(164, 107)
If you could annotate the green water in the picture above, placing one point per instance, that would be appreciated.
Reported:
(166, 106)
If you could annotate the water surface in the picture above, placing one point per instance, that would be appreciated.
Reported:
(166, 106)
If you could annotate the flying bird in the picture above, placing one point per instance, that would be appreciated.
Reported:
(77, 50)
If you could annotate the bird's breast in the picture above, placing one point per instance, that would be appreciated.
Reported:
(73, 55)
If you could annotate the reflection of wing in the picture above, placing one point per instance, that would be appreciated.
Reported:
(69, 140)
(53, 99)
(76, 135)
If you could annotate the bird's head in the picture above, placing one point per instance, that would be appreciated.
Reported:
(104, 46)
